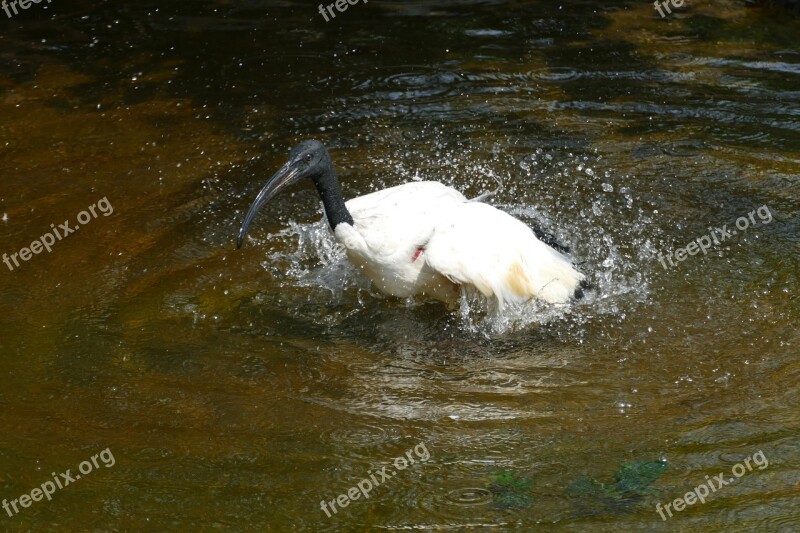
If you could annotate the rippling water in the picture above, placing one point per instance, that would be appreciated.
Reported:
(238, 389)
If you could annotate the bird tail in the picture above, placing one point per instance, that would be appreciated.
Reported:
(554, 278)
(500, 256)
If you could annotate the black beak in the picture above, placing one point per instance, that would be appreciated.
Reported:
(287, 175)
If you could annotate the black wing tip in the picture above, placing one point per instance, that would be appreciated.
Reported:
(581, 288)
(550, 240)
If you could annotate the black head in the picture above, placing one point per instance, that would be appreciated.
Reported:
(309, 159)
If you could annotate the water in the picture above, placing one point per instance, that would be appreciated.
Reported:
(238, 389)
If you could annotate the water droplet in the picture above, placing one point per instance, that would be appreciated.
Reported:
(470, 496)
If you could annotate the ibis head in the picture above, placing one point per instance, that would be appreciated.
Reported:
(309, 159)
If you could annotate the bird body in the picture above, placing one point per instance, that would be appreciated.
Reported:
(388, 238)
(425, 239)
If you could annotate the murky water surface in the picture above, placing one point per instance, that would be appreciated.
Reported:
(236, 390)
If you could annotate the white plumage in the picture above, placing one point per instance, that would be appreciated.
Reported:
(426, 239)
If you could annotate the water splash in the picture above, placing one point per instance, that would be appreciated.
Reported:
(576, 197)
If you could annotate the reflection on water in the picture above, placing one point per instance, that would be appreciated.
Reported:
(238, 389)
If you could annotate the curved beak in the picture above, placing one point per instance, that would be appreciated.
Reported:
(282, 179)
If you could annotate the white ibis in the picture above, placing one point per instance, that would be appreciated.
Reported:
(424, 239)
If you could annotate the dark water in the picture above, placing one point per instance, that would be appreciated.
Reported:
(238, 389)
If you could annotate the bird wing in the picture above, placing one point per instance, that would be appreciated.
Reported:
(413, 189)
(399, 218)
(479, 245)
(390, 229)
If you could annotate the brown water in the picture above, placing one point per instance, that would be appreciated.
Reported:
(238, 389)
